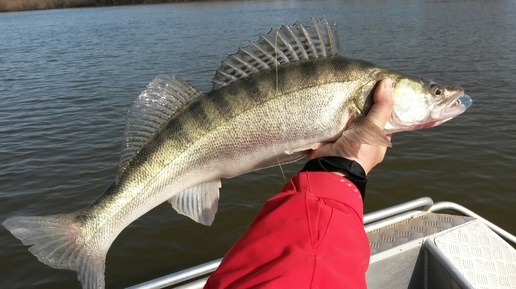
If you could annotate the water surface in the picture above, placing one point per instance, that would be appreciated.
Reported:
(67, 78)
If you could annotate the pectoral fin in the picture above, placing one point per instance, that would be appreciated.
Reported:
(364, 131)
(199, 203)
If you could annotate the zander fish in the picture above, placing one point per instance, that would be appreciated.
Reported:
(271, 103)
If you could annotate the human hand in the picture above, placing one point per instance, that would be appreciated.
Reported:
(368, 156)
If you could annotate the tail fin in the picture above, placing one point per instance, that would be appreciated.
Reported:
(57, 241)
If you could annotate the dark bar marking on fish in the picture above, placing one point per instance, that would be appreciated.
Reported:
(199, 116)
(220, 102)
(256, 90)
(178, 132)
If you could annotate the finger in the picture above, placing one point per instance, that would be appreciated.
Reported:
(383, 103)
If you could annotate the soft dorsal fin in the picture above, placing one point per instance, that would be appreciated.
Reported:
(288, 44)
(162, 98)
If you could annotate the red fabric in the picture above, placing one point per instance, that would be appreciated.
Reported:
(311, 235)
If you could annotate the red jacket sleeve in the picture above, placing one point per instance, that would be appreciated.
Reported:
(311, 235)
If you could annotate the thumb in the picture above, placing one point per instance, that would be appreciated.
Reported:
(381, 111)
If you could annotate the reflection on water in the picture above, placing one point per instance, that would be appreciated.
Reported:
(67, 78)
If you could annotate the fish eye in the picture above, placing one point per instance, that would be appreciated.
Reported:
(436, 90)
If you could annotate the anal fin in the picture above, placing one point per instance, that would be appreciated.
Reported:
(200, 202)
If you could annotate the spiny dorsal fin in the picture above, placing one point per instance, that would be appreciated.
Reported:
(290, 43)
(162, 98)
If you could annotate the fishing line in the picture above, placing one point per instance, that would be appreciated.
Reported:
(277, 93)
(279, 163)
(276, 56)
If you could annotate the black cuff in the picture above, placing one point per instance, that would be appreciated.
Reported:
(352, 170)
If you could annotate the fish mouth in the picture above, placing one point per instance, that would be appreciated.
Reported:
(451, 107)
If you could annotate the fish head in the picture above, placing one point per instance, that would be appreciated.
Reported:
(421, 103)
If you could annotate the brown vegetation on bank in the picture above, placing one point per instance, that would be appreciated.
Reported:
(24, 5)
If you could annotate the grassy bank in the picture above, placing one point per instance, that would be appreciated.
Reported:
(25, 5)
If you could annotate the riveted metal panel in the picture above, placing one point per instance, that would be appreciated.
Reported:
(483, 258)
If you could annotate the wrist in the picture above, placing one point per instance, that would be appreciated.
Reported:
(349, 169)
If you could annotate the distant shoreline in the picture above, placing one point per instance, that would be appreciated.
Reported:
(30, 5)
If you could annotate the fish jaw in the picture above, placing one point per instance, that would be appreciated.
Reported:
(452, 107)
(438, 116)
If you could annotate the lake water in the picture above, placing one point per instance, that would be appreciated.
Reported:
(68, 77)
